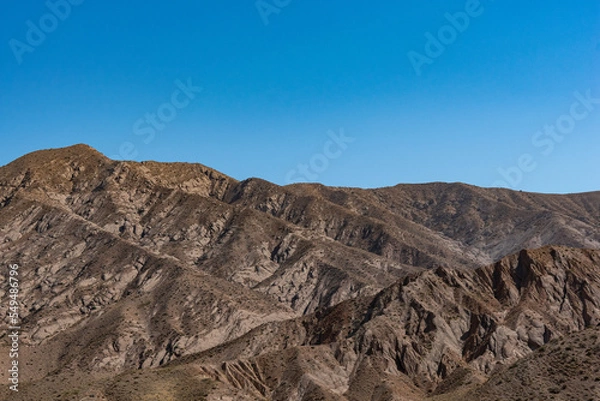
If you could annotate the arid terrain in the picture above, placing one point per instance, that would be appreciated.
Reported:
(173, 282)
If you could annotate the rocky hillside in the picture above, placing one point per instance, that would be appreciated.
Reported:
(565, 369)
(425, 333)
(142, 280)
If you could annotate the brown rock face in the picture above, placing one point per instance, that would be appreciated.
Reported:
(171, 280)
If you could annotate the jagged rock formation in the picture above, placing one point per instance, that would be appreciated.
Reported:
(249, 290)
(429, 327)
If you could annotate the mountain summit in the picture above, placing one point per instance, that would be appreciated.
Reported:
(173, 281)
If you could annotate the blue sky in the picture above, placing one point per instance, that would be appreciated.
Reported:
(284, 82)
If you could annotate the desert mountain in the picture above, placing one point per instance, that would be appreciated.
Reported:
(172, 281)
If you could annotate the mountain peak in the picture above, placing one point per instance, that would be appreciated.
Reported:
(53, 168)
(41, 158)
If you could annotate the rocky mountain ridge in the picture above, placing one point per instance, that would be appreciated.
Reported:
(299, 292)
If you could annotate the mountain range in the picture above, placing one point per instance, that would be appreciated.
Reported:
(173, 281)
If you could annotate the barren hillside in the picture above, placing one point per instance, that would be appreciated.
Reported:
(172, 281)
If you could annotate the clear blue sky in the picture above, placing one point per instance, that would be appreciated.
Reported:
(280, 77)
